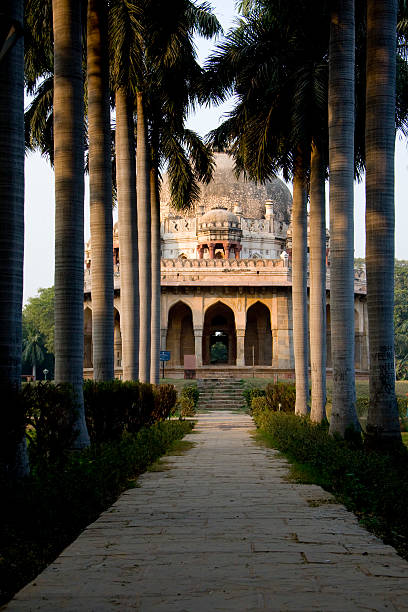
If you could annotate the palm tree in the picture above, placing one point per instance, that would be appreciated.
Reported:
(144, 237)
(100, 185)
(382, 421)
(124, 42)
(317, 285)
(13, 456)
(69, 202)
(33, 350)
(341, 161)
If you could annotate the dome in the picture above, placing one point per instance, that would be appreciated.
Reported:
(226, 191)
(218, 215)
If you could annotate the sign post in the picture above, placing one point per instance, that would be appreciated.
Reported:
(164, 356)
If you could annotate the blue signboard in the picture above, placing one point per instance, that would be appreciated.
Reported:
(164, 355)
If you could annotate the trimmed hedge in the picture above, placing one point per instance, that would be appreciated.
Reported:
(373, 485)
(43, 514)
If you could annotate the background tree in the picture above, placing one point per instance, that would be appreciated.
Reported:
(33, 351)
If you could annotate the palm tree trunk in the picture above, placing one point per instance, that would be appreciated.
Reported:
(341, 158)
(155, 211)
(382, 421)
(299, 289)
(100, 184)
(12, 233)
(69, 202)
(317, 286)
(144, 238)
(128, 249)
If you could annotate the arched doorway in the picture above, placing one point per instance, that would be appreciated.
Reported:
(180, 333)
(219, 335)
(117, 339)
(328, 338)
(258, 336)
(88, 362)
(357, 341)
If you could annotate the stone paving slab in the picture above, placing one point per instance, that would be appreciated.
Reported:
(222, 530)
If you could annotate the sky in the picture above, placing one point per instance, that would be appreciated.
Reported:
(39, 189)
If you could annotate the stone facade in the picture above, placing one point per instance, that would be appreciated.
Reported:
(226, 283)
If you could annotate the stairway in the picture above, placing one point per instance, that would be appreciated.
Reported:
(220, 394)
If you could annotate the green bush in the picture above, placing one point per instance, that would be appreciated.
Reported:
(13, 422)
(165, 398)
(281, 396)
(372, 484)
(258, 404)
(186, 406)
(45, 512)
(50, 419)
(249, 393)
(113, 407)
(190, 392)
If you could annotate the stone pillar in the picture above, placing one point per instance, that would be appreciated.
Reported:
(226, 246)
(211, 248)
(163, 336)
(198, 340)
(200, 250)
(238, 249)
(240, 347)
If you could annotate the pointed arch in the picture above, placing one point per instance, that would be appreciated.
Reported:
(219, 328)
(180, 333)
(258, 335)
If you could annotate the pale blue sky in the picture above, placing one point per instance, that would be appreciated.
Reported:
(39, 190)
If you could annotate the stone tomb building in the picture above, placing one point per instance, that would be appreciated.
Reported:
(226, 283)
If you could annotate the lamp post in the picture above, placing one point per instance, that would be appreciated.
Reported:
(45, 372)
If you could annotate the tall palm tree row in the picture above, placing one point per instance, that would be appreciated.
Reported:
(100, 187)
(69, 202)
(13, 456)
(382, 421)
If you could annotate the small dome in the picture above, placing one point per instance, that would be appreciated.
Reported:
(218, 214)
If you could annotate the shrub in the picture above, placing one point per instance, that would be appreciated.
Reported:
(186, 406)
(114, 407)
(249, 393)
(50, 418)
(165, 398)
(191, 392)
(281, 396)
(258, 404)
(12, 428)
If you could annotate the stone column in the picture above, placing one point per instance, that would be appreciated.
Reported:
(226, 246)
(238, 249)
(200, 249)
(211, 248)
(198, 341)
(240, 347)
(163, 336)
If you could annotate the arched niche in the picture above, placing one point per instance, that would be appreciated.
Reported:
(88, 362)
(219, 335)
(258, 336)
(180, 333)
(329, 363)
(117, 339)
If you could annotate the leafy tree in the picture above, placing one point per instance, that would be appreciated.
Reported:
(33, 350)
(38, 314)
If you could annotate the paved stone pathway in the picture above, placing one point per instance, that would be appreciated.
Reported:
(222, 530)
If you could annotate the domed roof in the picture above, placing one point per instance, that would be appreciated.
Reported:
(218, 214)
(225, 190)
